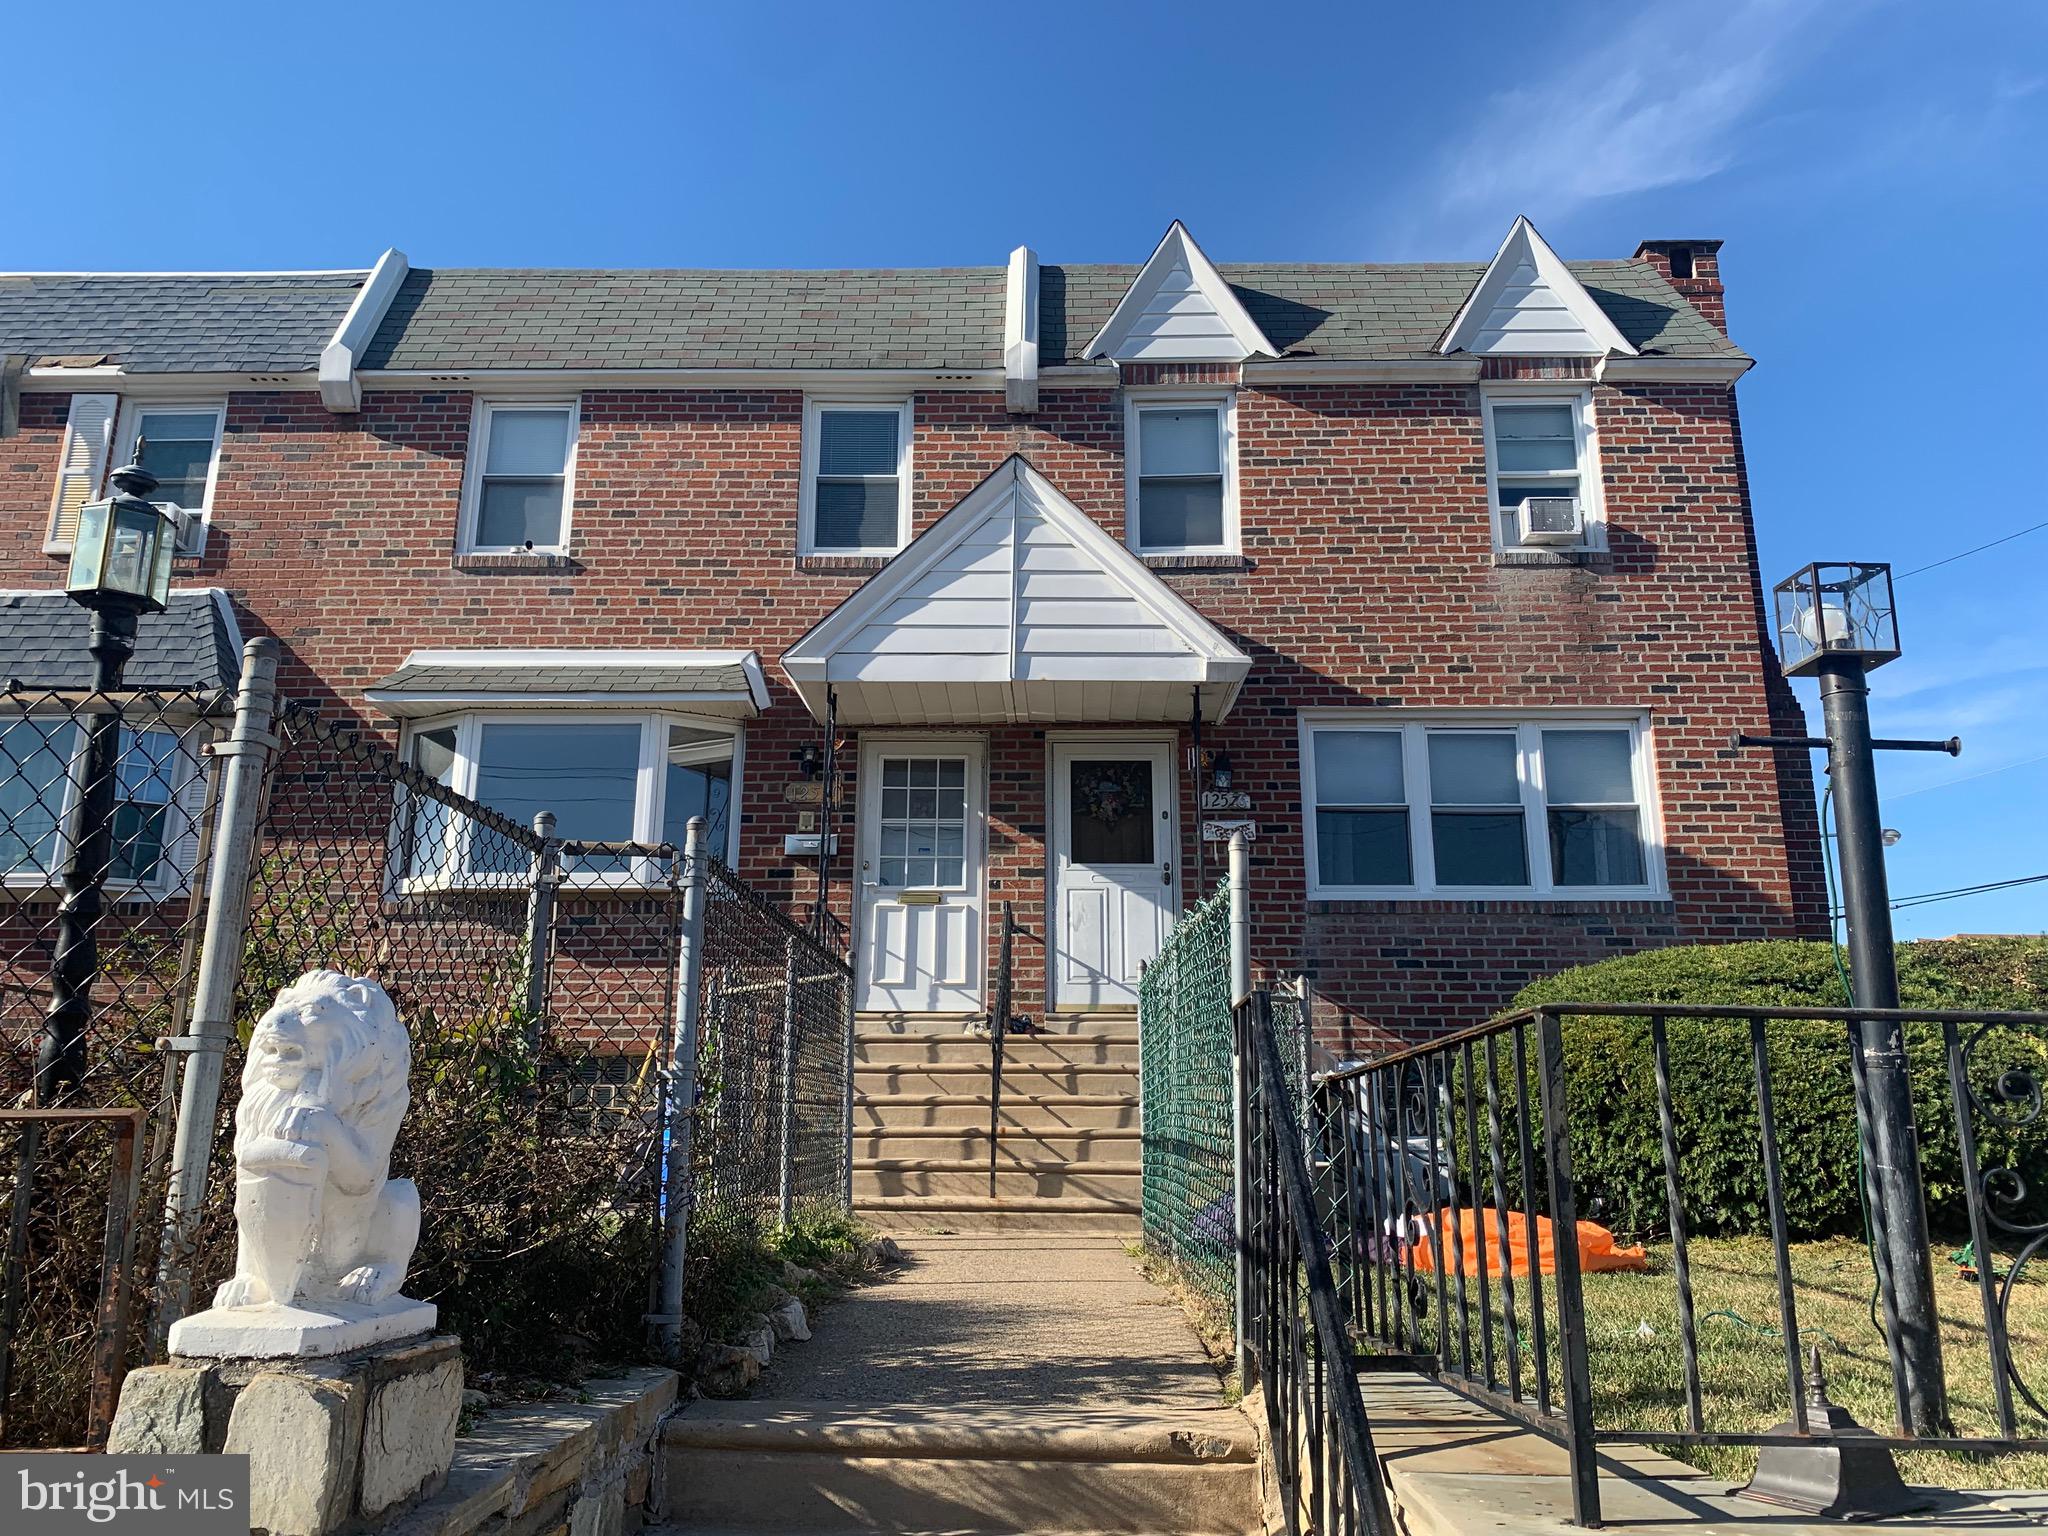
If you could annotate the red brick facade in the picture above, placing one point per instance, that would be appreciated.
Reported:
(1367, 577)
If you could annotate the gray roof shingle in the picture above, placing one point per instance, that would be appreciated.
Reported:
(273, 322)
(187, 646)
(943, 318)
(464, 318)
(940, 318)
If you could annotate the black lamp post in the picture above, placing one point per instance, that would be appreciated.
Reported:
(120, 570)
(1836, 622)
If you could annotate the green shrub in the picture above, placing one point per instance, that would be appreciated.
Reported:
(1611, 1084)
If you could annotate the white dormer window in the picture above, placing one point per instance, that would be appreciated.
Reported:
(856, 477)
(1180, 488)
(1541, 472)
(522, 457)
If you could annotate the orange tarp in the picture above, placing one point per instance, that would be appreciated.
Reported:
(1597, 1253)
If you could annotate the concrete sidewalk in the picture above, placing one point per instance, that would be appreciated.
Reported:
(1017, 1319)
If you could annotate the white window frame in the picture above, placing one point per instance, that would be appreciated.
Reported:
(192, 540)
(1224, 402)
(650, 787)
(179, 817)
(1592, 502)
(815, 408)
(481, 413)
(1528, 727)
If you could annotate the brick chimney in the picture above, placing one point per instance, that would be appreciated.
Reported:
(1693, 267)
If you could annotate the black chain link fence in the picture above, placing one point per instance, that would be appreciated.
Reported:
(55, 1181)
(537, 977)
(774, 1077)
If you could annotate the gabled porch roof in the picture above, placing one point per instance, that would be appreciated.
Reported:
(1015, 606)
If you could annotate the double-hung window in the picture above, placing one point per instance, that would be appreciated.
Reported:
(605, 777)
(521, 461)
(1540, 448)
(1180, 492)
(1403, 806)
(856, 477)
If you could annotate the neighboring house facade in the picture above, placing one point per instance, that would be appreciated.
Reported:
(1449, 569)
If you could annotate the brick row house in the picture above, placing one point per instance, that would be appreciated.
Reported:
(1441, 574)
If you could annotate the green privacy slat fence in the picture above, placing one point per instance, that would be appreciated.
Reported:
(1184, 1087)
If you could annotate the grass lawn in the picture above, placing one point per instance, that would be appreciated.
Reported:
(1638, 1380)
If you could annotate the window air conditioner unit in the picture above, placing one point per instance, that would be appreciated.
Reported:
(1551, 520)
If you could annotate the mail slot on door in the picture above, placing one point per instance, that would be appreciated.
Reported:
(921, 898)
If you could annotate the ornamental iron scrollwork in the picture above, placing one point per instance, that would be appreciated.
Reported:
(2013, 1101)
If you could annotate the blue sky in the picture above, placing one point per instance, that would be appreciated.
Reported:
(1876, 171)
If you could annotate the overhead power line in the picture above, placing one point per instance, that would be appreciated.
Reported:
(1964, 555)
(1928, 898)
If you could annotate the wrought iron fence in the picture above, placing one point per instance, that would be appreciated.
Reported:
(1185, 1069)
(1453, 1195)
(1318, 1437)
(115, 923)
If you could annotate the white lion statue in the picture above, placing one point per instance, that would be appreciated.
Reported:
(317, 1217)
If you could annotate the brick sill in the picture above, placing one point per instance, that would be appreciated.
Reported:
(1171, 563)
(1552, 906)
(1536, 559)
(841, 565)
(518, 565)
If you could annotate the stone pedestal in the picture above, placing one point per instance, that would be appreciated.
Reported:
(334, 1444)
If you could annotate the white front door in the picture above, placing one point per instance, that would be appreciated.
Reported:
(1115, 889)
(921, 841)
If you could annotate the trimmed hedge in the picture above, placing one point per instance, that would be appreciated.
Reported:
(1611, 1083)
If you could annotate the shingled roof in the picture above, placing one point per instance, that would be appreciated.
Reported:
(943, 318)
(928, 319)
(273, 322)
(191, 645)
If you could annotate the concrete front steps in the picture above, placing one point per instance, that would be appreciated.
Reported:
(1067, 1141)
(831, 1470)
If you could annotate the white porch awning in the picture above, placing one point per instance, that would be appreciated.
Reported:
(723, 683)
(1015, 607)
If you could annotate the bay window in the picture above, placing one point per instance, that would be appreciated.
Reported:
(159, 794)
(605, 777)
(1399, 805)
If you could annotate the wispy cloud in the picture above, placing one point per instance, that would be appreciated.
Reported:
(1655, 104)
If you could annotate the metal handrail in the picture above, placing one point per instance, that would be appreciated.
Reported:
(998, 1027)
(1318, 1435)
(1478, 1122)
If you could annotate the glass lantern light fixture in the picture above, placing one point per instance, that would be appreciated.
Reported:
(121, 555)
(1836, 610)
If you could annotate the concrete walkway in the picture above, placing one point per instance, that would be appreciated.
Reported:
(1006, 1382)
(1046, 1319)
